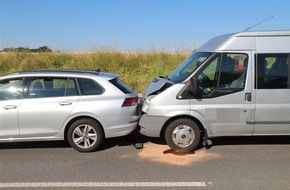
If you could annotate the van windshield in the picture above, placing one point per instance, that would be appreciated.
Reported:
(188, 66)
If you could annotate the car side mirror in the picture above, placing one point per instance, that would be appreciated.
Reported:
(192, 88)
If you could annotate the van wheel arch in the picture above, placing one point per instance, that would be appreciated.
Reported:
(201, 127)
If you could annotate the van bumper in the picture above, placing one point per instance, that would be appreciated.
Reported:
(151, 125)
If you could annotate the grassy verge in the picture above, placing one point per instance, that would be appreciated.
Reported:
(136, 69)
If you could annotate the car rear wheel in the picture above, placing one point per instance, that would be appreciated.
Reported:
(182, 135)
(85, 135)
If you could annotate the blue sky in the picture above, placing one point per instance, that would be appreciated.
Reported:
(132, 25)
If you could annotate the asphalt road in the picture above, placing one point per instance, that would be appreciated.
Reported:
(231, 163)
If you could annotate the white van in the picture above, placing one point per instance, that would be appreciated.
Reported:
(234, 85)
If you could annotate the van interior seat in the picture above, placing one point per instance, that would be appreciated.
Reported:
(278, 75)
(227, 71)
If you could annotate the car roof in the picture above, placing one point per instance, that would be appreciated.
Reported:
(62, 73)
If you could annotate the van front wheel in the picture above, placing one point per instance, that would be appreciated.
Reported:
(182, 135)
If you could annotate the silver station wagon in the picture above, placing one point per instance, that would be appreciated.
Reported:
(82, 107)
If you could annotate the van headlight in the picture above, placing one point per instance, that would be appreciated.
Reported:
(146, 104)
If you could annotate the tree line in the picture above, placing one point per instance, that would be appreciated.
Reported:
(23, 49)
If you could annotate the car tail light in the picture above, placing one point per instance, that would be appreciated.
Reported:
(130, 102)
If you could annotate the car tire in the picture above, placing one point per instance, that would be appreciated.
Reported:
(182, 135)
(85, 135)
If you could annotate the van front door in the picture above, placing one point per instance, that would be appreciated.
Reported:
(225, 94)
(272, 115)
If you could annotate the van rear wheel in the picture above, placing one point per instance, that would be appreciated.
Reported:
(182, 135)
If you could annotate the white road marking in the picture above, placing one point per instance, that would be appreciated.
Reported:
(104, 184)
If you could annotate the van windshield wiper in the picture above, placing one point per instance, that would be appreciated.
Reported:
(164, 77)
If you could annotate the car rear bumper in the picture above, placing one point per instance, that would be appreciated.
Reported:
(123, 129)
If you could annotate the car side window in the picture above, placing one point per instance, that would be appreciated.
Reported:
(272, 71)
(225, 73)
(52, 87)
(89, 87)
(11, 89)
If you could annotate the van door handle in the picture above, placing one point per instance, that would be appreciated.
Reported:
(65, 103)
(9, 107)
(248, 97)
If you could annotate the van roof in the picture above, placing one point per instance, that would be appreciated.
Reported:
(246, 40)
(263, 33)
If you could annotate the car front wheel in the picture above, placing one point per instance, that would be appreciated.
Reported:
(85, 135)
(182, 135)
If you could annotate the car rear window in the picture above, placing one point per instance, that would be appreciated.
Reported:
(121, 86)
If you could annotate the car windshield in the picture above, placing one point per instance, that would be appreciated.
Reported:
(188, 66)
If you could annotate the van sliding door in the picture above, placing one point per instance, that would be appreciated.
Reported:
(272, 115)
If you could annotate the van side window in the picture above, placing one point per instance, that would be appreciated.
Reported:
(272, 71)
(226, 73)
(233, 71)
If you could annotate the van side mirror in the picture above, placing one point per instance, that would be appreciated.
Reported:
(192, 88)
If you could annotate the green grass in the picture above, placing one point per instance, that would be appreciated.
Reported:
(136, 69)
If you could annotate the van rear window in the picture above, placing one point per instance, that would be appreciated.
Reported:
(121, 86)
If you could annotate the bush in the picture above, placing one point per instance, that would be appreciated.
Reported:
(136, 69)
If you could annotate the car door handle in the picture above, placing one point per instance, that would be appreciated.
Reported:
(9, 107)
(65, 103)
